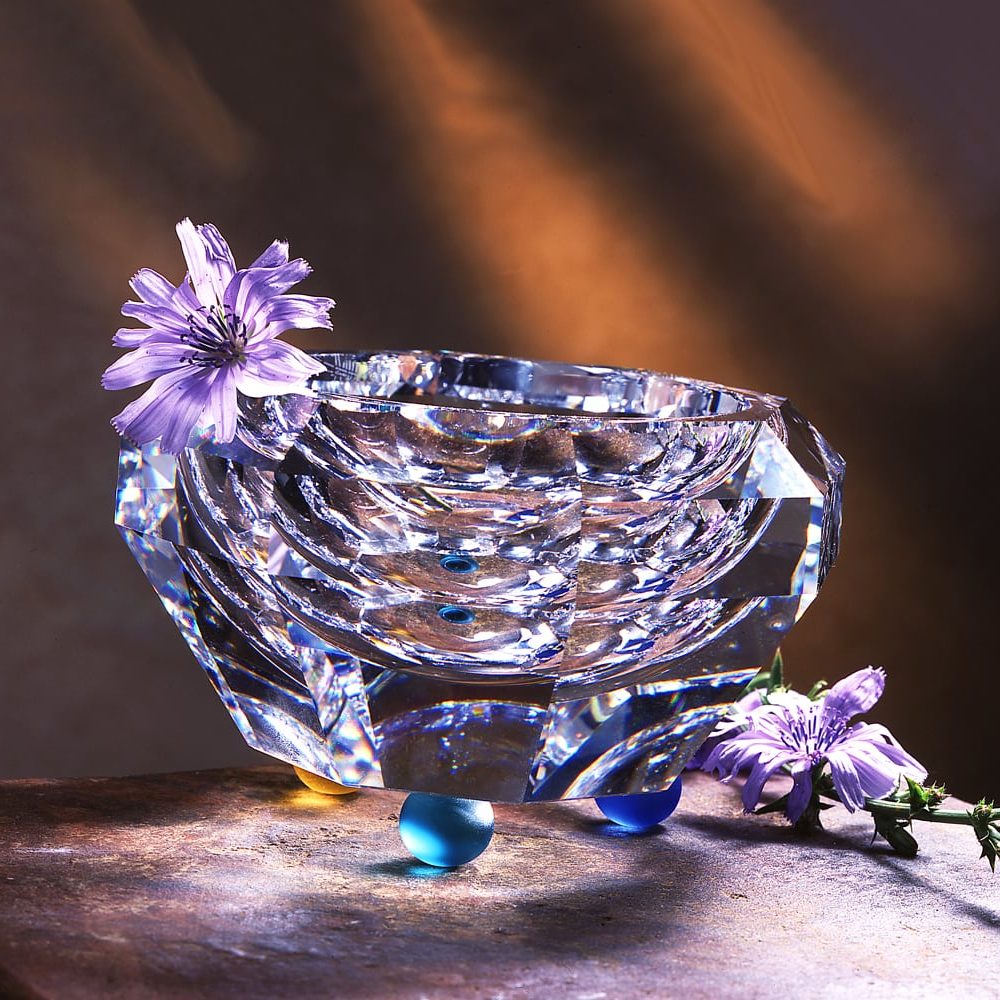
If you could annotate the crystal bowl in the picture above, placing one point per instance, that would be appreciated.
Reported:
(486, 577)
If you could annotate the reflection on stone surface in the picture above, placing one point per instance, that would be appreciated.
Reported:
(485, 577)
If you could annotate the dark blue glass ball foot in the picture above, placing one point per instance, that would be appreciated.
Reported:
(640, 812)
(443, 831)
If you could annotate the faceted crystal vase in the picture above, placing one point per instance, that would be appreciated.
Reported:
(485, 577)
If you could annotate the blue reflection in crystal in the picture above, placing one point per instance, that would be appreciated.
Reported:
(459, 564)
(455, 615)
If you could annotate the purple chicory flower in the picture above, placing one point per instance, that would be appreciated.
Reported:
(738, 718)
(210, 337)
(865, 760)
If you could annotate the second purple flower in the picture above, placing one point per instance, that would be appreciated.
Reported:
(801, 737)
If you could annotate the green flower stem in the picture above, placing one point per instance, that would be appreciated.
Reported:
(904, 811)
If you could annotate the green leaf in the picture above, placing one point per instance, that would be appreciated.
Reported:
(778, 805)
(991, 849)
(777, 676)
(987, 832)
(816, 690)
(983, 811)
(896, 833)
(903, 842)
(823, 783)
(920, 796)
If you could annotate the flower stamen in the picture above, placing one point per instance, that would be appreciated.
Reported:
(219, 334)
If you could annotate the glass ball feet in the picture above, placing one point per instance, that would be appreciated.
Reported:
(322, 785)
(443, 831)
(641, 812)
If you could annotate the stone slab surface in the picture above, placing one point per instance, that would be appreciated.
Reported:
(242, 883)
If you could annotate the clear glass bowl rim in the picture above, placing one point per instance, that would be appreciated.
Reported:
(747, 404)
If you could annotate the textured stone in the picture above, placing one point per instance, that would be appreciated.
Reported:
(229, 884)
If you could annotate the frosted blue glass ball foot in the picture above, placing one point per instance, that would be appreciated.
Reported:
(443, 831)
(640, 812)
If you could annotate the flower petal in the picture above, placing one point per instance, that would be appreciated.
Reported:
(856, 693)
(740, 753)
(170, 408)
(257, 387)
(185, 300)
(153, 288)
(275, 368)
(274, 256)
(729, 726)
(726, 761)
(734, 722)
(300, 312)
(275, 358)
(698, 758)
(189, 403)
(143, 364)
(789, 699)
(906, 763)
(874, 746)
(776, 721)
(251, 288)
(203, 273)
(876, 732)
(222, 407)
(846, 779)
(130, 338)
(759, 775)
(876, 778)
(749, 701)
(219, 256)
(157, 317)
(800, 795)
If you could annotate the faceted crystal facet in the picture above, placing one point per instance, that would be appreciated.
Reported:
(488, 578)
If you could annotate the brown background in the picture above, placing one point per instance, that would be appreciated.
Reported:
(799, 198)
